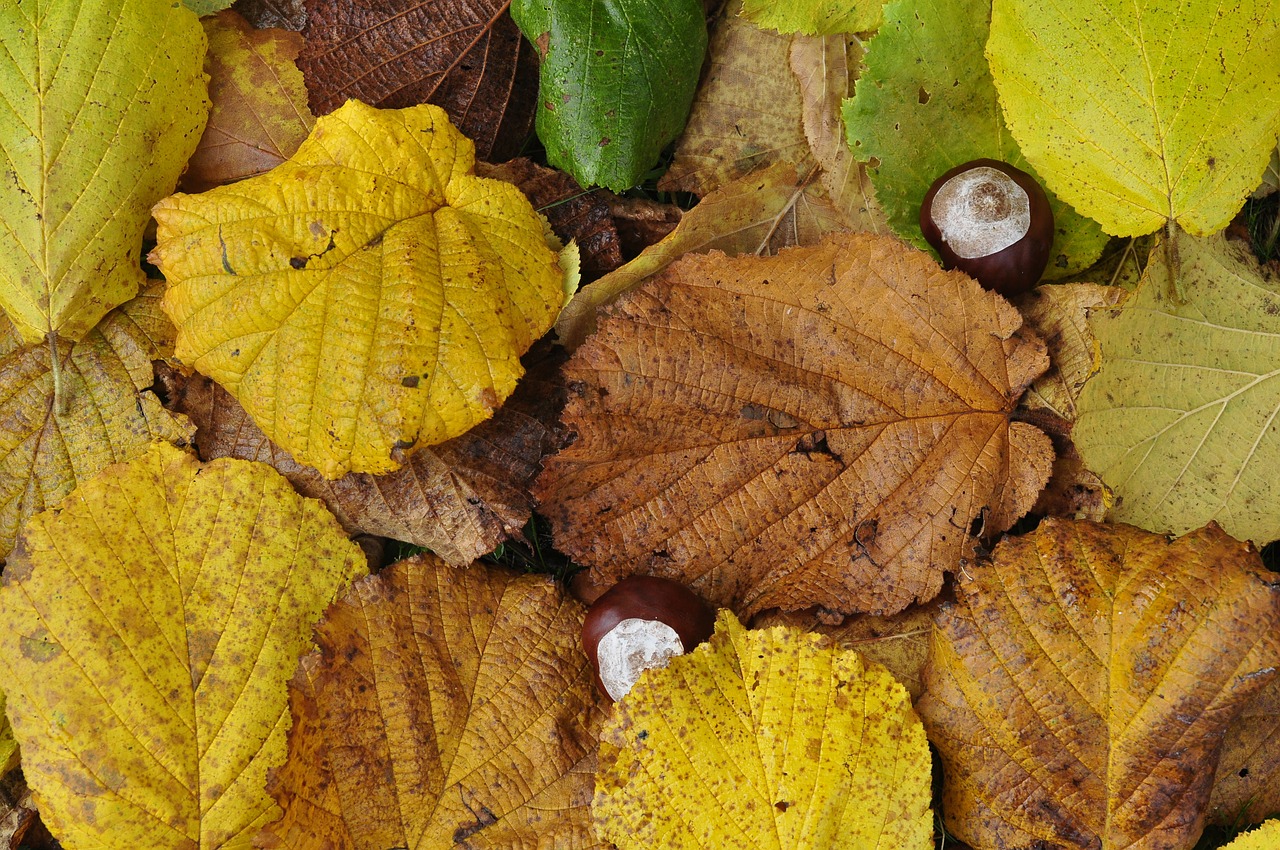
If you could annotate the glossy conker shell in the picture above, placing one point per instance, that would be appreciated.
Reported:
(646, 598)
(990, 207)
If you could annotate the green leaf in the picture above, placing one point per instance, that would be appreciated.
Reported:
(618, 77)
(1183, 419)
(103, 102)
(926, 103)
(1143, 112)
(814, 17)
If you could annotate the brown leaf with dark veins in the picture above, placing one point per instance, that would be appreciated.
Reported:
(466, 56)
(1079, 687)
(264, 14)
(1247, 787)
(829, 426)
(460, 498)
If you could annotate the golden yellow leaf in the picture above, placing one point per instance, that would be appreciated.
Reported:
(1079, 687)
(109, 415)
(773, 739)
(151, 621)
(366, 298)
(1265, 837)
(445, 707)
(8, 744)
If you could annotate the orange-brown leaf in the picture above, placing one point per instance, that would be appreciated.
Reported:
(826, 427)
(1247, 787)
(1079, 687)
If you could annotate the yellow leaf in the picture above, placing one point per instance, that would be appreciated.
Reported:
(8, 744)
(368, 297)
(765, 739)
(814, 17)
(1265, 837)
(151, 622)
(103, 102)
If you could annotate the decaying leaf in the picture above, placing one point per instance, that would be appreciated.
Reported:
(1126, 120)
(466, 56)
(1180, 421)
(444, 708)
(460, 499)
(444, 281)
(826, 427)
(110, 414)
(1247, 786)
(151, 621)
(17, 811)
(1079, 687)
(259, 115)
(265, 14)
(772, 739)
(83, 165)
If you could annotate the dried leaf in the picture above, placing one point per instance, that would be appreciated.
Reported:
(745, 425)
(1079, 687)
(265, 14)
(17, 812)
(460, 499)
(1247, 787)
(259, 115)
(444, 708)
(151, 621)
(764, 739)
(110, 416)
(466, 56)
(641, 222)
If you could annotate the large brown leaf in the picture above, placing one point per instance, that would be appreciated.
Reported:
(1079, 687)
(444, 708)
(1247, 787)
(826, 427)
(466, 56)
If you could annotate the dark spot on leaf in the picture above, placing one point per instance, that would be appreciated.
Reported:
(923, 95)
(298, 262)
(782, 805)
(411, 382)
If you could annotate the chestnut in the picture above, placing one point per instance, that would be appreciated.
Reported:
(639, 623)
(992, 222)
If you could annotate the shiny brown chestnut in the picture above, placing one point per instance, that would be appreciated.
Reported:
(992, 222)
(639, 623)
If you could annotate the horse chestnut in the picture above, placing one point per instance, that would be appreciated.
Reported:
(992, 222)
(639, 623)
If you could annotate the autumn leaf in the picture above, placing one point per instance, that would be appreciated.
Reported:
(1079, 687)
(813, 17)
(145, 662)
(84, 166)
(1125, 120)
(45, 451)
(1264, 837)
(460, 499)
(444, 278)
(764, 739)
(17, 813)
(444, 708)
(742, 426)
(266, 14)
(926, 103)
(8, 744)
(1246, 788)
(259, 115)
(1179, 421)
(466, 56)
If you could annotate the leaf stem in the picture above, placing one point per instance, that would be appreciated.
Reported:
(61, 404)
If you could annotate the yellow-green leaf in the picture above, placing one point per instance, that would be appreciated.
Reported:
(814, 17)
(368, 297)
(151, 623)
(103, 102)
(1145, 112)
(774, 738)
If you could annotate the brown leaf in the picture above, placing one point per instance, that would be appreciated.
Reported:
(641, 222)
(826, 427)
(17, 812)
(444, 708)
(1079, 687)
(460, 498)
(264, 14)
(466, 56)
(575, 213)
(1247, 786)
(259, 114)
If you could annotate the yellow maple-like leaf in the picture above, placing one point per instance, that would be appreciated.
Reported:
(367, 297)
(151, 622)
(774, 738)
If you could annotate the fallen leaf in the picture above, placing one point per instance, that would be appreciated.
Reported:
(84, 168)
(1270, 177)
(17, 811)
(1079, 686)
(151, 621)
(1247, 786)
(445, 280)
(444, 708)
(1125, 121)
(265, 14)
(110, 413)
(207, 7)
(460, 499)
(1179, 422)
(814, 17)
(8, 744)
(259, 114)
(764, 739)
(641, 222)
(926, 103)
(826, 427)
(466, 56)
(1265, 837)
(617, 78)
